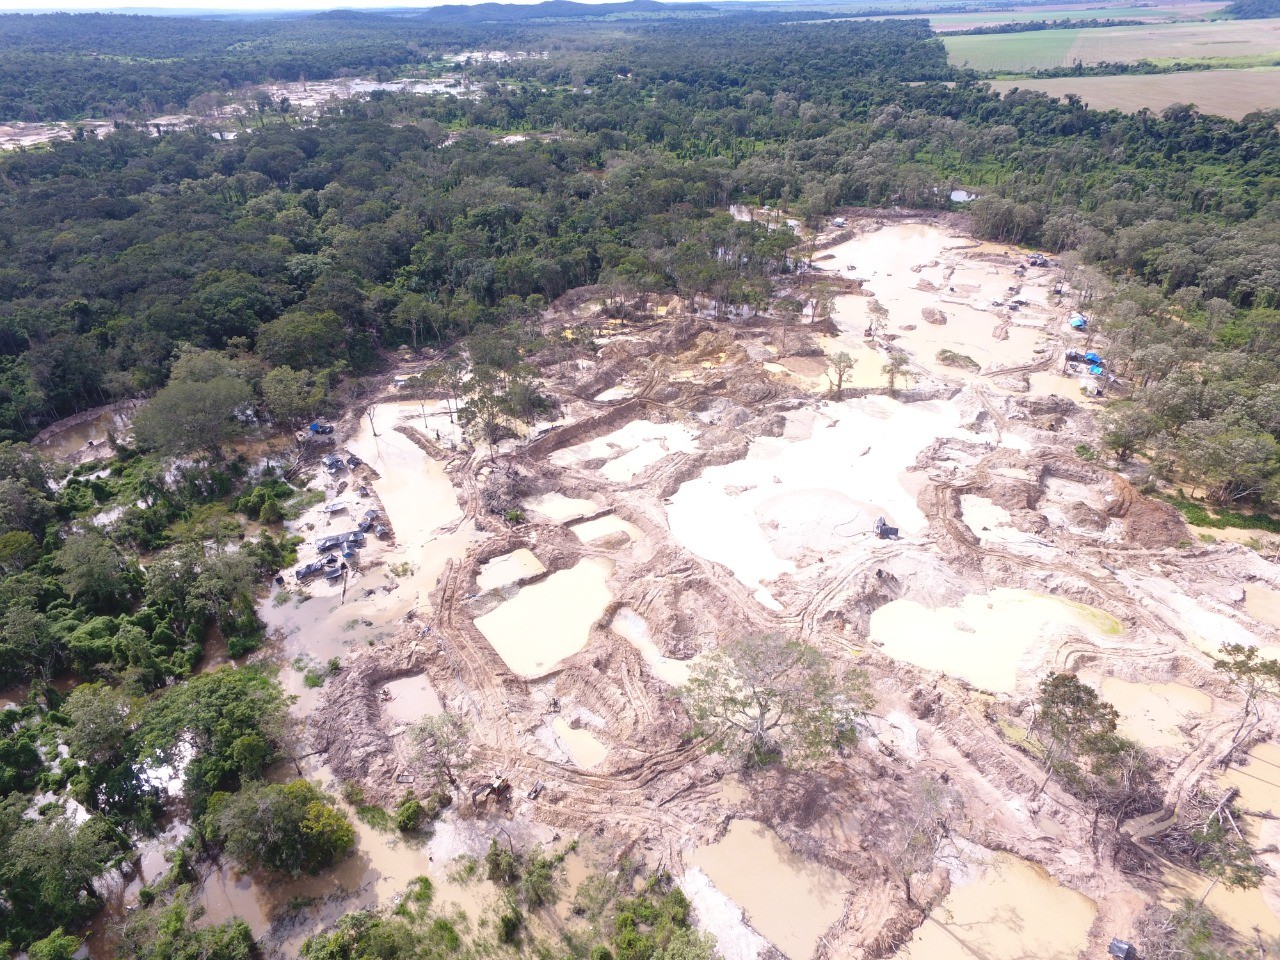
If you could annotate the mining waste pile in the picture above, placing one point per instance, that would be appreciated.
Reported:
(703, 481)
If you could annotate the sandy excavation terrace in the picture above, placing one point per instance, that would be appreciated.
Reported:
(997, 311)
(629, 450)
(710, 495)
(811, 496)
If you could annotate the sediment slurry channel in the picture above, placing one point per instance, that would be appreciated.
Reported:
(702, 481)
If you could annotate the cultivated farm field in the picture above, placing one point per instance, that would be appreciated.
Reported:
(1228, 93)
(1160, 42)
(1153, 13)
(1012, 52)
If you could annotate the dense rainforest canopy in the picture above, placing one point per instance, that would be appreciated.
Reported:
(256, 276)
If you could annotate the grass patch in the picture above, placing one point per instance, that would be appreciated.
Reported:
(1198, 515)
(950, 358)
(307, 498)
(1034, 50)
(1100, 620)
(375, 817)
(465, 869)
(1244, 62)
(1017, 735)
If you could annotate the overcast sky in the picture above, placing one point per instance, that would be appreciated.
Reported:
(30, 6)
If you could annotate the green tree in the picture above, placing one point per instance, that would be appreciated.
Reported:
(688, 944)
(28, 646)
(47, 869)
(1226, 857)
(56, 946)
(1255, 675)
(18, 550)
(1083, 750)
(409, 814)
(196, 365)
(233, 717)
(485, 406)
(763, 697)
(302, 340)
(444, 743)
(24, 502)
(1126, 427)
(185, 417)
(93, 571)
(538, 879)
(841, 365)
(1233, 461)
(292, 396)
(102, 717)
(912, 840)
(289, 828)
(170, 932)
(893, 369)
(501, 863)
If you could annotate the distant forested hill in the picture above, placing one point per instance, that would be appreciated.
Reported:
(68, 66)
(1254, 9)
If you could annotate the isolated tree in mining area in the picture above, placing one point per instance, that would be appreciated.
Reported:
(444, 744)
(1226, 856)
(762, 698)
(894, 368)
(1068, 713)
(841, 366)
(1254, 675)
(1084, 751)
(913, 839)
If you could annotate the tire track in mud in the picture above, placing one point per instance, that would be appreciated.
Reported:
(629, 797)
(944, 498)
(941, 506)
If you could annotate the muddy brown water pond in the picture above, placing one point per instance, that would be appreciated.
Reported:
(1011, 910)
(67, 443)
(632, 627)
(1005, 625)
(508, 569)
(1152, 713)
(605, 526)
(558, 508)
(548, 621)
(409, 700)
(1263, 604)
(584, 748)
(798, 903)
